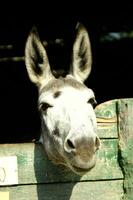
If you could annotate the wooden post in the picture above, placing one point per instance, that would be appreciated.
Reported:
(125, 126)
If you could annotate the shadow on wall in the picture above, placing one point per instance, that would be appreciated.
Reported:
(52, 181)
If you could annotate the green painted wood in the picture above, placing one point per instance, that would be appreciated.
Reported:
(105, 190)
(125, 111)
(34, 167)
(107, 130)
(107, 109)
(107, 119)
(39, 179)
(107, 163)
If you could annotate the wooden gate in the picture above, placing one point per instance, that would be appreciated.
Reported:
(27, 174)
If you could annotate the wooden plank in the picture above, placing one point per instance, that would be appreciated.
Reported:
(106, 110)
(125, 108)
(107, 163)
(105, 190)
(107, 119)
(34, 167)
(107, 130)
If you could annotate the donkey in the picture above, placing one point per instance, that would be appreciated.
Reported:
(68, 121)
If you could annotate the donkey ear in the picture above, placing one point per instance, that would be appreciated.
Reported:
(81, 55)
(36, 59)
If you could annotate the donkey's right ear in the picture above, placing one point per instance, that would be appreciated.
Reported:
(81, 55)
(36, 60)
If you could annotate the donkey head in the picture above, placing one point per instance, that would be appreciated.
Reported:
(66, 104)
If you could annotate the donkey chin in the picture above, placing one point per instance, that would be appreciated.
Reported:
(79, 164)
(81, 167)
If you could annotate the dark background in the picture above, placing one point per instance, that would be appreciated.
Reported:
(111, 76)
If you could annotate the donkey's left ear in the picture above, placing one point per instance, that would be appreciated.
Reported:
(81, 55)
(36, 60)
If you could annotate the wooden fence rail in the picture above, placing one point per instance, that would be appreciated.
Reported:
(26, 173)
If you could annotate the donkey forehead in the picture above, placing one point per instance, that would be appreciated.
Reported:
(67, 88)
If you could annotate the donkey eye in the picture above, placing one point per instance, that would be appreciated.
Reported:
(92, 101)
(44, 106)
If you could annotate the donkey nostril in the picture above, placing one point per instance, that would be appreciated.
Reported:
(70, 144)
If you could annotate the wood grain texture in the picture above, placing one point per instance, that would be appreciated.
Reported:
(125, 109)
(107, 130)
(34, 167)
(107, 119)
(106, 110)
(105, 190)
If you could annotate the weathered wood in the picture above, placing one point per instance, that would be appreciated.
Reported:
(34, 167)
(107, 119)
(107, 130)
(105, 190)
(125, 110)
(39, 179)
(106, 110)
